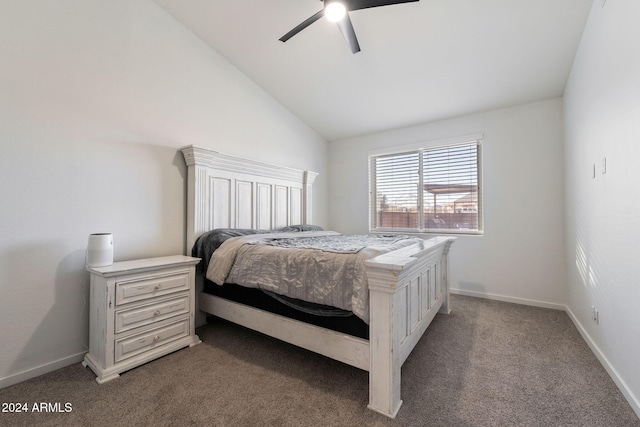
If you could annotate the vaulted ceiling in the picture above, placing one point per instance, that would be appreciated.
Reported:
(420, 61)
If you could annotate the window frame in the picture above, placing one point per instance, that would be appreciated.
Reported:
(421, 147)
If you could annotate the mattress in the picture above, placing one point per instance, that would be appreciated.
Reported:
(345, 322)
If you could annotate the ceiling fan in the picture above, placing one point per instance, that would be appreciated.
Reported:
(338, 11)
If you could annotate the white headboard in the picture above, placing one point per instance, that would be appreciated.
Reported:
(231, 192)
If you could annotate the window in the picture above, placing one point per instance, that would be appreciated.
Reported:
(435, 189)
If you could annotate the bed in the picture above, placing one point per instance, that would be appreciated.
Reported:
(407, 286)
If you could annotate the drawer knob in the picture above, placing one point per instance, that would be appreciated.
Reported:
(157, 312)
(156, 338)
(156, 287)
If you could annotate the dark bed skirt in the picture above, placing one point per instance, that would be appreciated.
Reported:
(351, 325)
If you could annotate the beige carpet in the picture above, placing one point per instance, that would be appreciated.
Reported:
(487, 364)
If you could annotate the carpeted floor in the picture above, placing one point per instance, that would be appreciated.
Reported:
(488, 363)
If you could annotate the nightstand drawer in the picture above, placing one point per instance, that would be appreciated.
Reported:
(147, 314)
(136, 344)
(149, 287)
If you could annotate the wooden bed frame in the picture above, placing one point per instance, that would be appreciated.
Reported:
(407, 287)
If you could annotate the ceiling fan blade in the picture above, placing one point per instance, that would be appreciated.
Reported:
(349, 34)
(302, 26)
(365, 4)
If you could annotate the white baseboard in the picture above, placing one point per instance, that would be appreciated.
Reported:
(523, 301)
(622, 385)
(40, 370)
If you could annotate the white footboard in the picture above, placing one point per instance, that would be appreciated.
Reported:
(407, 288)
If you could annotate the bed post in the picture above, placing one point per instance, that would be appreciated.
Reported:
(307, 198)
(407, 288)
(197, 213)
(446, 305)
(384, 341)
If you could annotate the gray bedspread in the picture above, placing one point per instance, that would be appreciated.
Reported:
(310, 269)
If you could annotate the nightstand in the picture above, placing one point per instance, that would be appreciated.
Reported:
(139, 310)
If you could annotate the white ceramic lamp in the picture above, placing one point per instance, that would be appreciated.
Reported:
(100, 250)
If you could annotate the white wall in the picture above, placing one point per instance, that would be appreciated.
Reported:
(96, 97)
(520, 257)
(602, 112)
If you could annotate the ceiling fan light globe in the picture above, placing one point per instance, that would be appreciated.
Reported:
(335, 11)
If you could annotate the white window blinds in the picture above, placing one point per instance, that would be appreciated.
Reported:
(428, 190)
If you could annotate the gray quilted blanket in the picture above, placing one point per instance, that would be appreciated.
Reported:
(322, 267)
